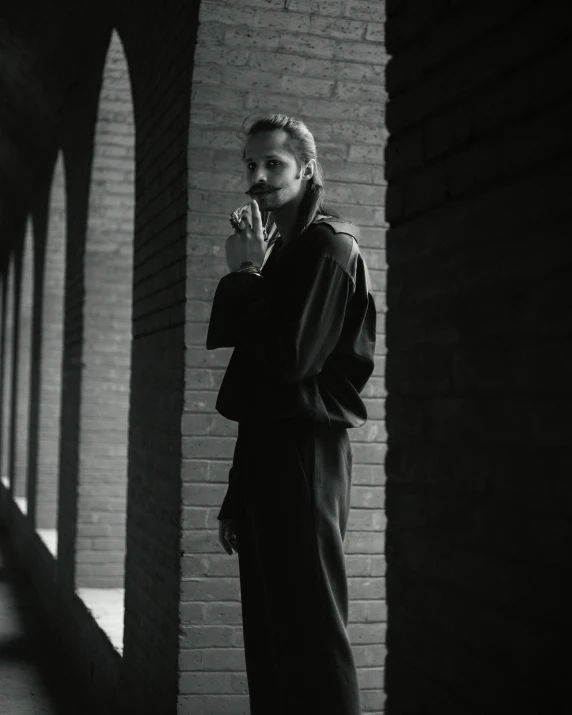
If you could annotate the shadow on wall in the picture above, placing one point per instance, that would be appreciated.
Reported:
(27, 648)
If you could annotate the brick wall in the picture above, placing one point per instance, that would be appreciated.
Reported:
(323, 62)
(479, 345)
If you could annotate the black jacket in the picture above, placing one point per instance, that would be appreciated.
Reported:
(303, 332)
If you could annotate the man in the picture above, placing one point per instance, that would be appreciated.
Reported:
(301, 317)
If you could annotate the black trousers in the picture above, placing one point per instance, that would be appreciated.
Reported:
(292, 483)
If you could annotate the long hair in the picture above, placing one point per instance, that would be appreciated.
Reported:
(303, 146)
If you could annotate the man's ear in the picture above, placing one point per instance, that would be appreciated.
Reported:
(309, 170)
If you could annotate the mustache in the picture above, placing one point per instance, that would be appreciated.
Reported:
(258, 189)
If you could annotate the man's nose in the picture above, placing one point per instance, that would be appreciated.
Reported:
(259, 176)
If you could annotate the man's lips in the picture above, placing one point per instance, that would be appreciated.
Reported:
(260, 192)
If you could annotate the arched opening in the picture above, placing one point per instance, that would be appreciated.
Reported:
(22, 358)
(106, 363)
(50, 387)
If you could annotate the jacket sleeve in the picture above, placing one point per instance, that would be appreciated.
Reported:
(290, 328)
(234, 293)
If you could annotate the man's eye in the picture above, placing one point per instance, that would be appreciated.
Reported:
(273, 162)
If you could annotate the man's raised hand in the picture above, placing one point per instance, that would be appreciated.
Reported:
(247, 242)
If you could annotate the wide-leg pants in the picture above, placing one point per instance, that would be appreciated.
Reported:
(292, 483)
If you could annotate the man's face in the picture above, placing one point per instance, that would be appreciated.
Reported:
(271, 168)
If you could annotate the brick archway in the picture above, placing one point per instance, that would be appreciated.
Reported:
(98, 152)
(22, 354)
(50, 368)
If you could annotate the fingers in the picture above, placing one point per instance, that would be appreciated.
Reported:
(245, 220)
(256, 217)
(233, 544)
(231, 536)
(227, 536)
(225, 544)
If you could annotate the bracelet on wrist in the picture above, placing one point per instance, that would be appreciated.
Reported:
(248, 267)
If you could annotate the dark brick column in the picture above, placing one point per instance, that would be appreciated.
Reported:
(159, 45)
(479, 339)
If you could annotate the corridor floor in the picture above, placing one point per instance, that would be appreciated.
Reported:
(33, 678)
